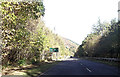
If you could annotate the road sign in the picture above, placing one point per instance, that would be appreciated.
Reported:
(51, 50)
(54, 50)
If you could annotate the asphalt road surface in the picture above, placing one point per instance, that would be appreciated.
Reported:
(75, 66)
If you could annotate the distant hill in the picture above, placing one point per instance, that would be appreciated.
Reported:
(70, 45)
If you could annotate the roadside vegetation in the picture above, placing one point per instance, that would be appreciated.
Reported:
(25, 40)
(31, 70)
(102, 42)
(108, 62)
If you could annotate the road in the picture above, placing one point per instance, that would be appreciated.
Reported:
(75, 66)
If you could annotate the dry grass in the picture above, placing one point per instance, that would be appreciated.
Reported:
(29, 70)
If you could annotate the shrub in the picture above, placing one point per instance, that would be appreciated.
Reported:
(22, 62)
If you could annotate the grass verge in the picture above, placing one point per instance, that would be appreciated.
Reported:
(28, 70)
(111, 63)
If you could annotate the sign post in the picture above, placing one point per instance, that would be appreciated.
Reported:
(54, 50)
(56, 56)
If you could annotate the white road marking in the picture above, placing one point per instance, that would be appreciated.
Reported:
(89, 70)
(85, 67)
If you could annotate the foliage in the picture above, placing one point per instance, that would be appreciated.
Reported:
(21, 62)
(16, 30)
(24, 35)
(102, 42)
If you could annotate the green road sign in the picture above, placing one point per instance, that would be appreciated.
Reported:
(51, 50)
(54, 50)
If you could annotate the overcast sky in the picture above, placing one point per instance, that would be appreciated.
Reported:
(73, 19)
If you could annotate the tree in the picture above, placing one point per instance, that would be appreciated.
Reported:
(103, 42)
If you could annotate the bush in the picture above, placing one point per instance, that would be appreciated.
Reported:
(34, 62)
(22, 62)
(49, 59)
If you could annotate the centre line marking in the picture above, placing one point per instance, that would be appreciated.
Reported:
(89, 70)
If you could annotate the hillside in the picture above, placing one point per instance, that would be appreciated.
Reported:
(70, 45)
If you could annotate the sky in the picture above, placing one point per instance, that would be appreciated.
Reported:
(73, 19)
